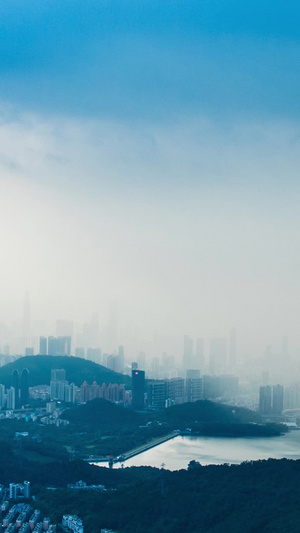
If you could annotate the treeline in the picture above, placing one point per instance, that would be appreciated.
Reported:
(252, 497)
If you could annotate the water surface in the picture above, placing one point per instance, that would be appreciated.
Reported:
(176, 454)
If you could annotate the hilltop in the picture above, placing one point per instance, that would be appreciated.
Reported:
(77, 370)
(207, 411)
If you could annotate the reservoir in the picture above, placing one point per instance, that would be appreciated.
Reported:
(176, 453)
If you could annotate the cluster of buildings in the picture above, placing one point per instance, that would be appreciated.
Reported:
(22, 518)
(111, 392)
(18, 394)
(81, 485)
(17, 490)
(60, 388)
(72, 523)
(161, 393)
(55, 345)
(271, 399)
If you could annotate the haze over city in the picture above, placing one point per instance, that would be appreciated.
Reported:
(149, 170)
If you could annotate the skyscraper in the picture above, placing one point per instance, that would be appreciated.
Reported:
(138, 390)
(24, 387)
(58, 374)
(16, 387)
(194, 390)
(277, 406)
(265, 399)
(43, 346)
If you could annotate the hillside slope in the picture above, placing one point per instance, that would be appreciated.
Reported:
(77, 370)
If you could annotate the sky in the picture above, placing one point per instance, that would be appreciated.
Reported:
(149, 163)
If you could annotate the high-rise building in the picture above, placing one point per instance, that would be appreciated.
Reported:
(212, 387)
(271, 399)
(94, 354)
(265, 399)
(11, 398)
(52, 346)
(120, 360)
(138, 390)
(16, 387)
(58, 374)
(2, 396)
(64, 345)
(156, 393)
(26, 488)
(277, 406)
(43, 346)
(194, 390)
(24, 386)
(80, 352)
(175, 391)
(59, 345)
(229, 385)
(29, 351)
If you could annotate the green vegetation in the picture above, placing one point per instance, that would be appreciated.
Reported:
(100, 428)
(260, 496)
(77, 371)
(256, 496)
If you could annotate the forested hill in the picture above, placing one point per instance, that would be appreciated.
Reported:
(101, 413)
(77, 370)
(206, 411)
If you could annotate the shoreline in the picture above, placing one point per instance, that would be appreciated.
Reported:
(135, 451)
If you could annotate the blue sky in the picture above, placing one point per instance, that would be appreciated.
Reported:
(151, 60)
(149, 156)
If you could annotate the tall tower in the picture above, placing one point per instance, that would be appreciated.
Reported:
(16, 387)
(138, 390)
(24, 387)
(43, 346)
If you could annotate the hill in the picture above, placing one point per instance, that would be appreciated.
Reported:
(77, 370)
(104, 414)
(205, 411)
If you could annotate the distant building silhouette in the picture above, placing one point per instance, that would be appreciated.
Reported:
(156, 393)
(59, 345)
(24, 386)
(16, 387)
(43, 346)
(194, 390)
(271, 399)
